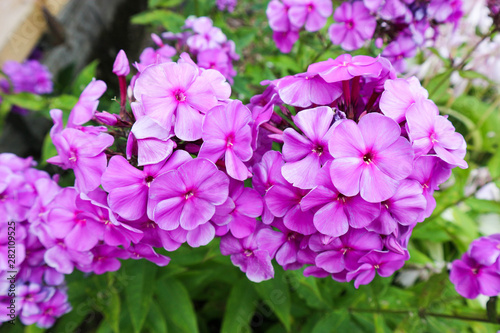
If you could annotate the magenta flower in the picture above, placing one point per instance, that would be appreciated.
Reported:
(370, 158)
(240, 210)
(187, 197)
(121, 65)
(84, 153)
(215, 59)
(285, 39)
(404, 207)
(84, 109)
(355, 26)
(305, 154)
(429, 131)
(346, 67)
(226, 132)
(304, 90)
(143, 251)
(105, 259)
(55, 306)
(337, 212)
(175, 95)
(250, 256)
(312, 13)
(398, 50)
(384, 263)
(471, 278)
(486, 250)
(277, 14)
(128, 187)
(205, 36)
(399, 95)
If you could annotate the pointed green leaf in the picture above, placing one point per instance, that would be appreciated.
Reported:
(240, 307)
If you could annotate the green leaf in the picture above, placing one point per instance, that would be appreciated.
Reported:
(113, 310)
(164, 3)
(483, 206)
(438, 87)
(176, 305)
(469, 74)
(33, 329)
(63, 102)
(84, 78)
(170, 20)
(240, 307)
(335, 321)
(27, 101)
(307, 289)
(155, 321)
(276, 295)
(446, 61)
(139, 290)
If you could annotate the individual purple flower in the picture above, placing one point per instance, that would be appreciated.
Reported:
(404, 207)
(84, 109)
(399, 95)
(430, 131)
(205, 36)
(445, 10)
(385, 263)
(228, 5)
(248, 254)
(304, 90)
(187, 197)
(305, 154)
(312, 13)
(337, 212)
(290, 245)
(30, 76)
(346, 67)
(338, 254)
(285, 39)
(471, 278)
(226, 132)
(55, 306)
(121, 65)
(175, 95)
(277, 14)
(128, 186)
(143, 251)
(486, 250)
(105, 259)
(398, 50)
(370, 158)
(240, 210)
(215, 59)
(355, 26)
(84, 153)
(29, 296)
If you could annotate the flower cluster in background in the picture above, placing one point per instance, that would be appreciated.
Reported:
(207, 44)
(26, 195)
(478, 271)
(399, 27)
(228, 5)
(30, 76)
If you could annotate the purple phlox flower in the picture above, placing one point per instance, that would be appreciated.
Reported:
(277, 14)
(50, 309)
(262, 108)
(105, 259)
(375, 85)
(187, 197)
(385, 263)
(121, 65)
(16, 163)
(285, 39)
(429, 132)
(290, 245)
(346, 67)
(430, 172)
(151, 56)
(29, 296)
(16, 196)
(266, 174)
(343, 253)
(84, 153)
(215, 59)
(128, 187)
(312, 13)
(177, 90)
(226, 132)
(370, 158)
(283, 200)
(152, 140)
(143, 251)
(398, 50)
(388, 9)
(30, 76)
(399, 95)
(157, 237)
(445, 10)
(46, 190)
(230, 48)
(304, 90)
(84, 109)
(486, 250)
(305, 154)
(337, 212)
(355, 26)
(254, 253)
(205, 36)
(227, 4)
(240, 210)
(74, 220)
(404, 207)
(471, 278)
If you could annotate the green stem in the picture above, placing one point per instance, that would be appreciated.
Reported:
(491, 309)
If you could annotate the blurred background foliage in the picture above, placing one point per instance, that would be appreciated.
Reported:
(201, 291)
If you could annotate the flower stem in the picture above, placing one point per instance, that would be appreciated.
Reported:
(271, 128)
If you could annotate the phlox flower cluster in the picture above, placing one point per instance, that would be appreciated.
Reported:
(478, 271)
(356, 172)
(228, 5)
(207, 44)
(37, 293)
(401, 25)
(30, 76)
